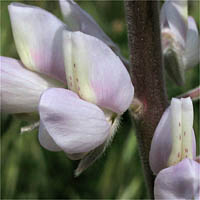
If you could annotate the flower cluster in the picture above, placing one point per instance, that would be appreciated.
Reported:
(173, 149)
(74, 77)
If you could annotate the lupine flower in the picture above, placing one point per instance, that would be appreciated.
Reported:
(174, 137)
(81, 121)
(180, 39)
(38, 38)
(102, 89)
(79, 20)
(173, 151)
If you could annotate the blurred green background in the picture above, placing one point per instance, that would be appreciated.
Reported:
(30, 172)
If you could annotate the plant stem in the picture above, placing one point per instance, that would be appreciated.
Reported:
(146, 70)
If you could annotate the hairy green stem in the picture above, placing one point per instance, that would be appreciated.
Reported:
(146, 70)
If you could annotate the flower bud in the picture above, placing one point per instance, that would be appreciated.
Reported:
(180, 40)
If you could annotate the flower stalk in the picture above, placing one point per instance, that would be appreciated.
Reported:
(146, 70)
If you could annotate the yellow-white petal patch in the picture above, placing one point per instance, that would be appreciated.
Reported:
(181, 130)
(176, 130)
(187, 123)
(77, 67)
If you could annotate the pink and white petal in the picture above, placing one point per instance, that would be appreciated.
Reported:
(79, 20)
(181, 181)
(75, 125)
(102, 77)
(166, 144)
(20, 87)
(161, 144)
(174, 14)
(46, 140)
(192, 49)
(38, 38)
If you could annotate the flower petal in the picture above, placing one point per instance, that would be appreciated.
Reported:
(174, 16)
(161, 144)
(192, 50)
(75, 125)
(96, 73)
(46, 140)
(187, 124)
(79, 20)
(21, 88)
(180, 181)
(38, 39)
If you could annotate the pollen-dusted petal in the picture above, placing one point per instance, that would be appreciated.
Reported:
(174, 16)
(103, 79)
(187, 129)
(192, 50)
(181, 181)
(38, 38)
(75, 125)
(79, 20)
(46, 140)
(176, 131)
(20, 87)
